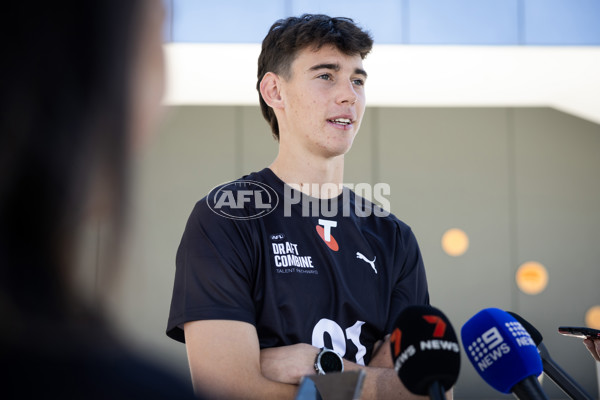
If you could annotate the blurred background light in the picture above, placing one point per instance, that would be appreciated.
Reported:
(592, 317)
(455, 242)
(532, 278)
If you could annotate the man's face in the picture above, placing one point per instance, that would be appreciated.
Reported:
(324, 101)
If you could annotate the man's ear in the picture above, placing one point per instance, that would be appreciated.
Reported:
(270, 90)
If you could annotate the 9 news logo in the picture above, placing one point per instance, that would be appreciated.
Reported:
(491, 346)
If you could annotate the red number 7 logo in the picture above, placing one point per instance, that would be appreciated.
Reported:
(440, 325)
(395, 339)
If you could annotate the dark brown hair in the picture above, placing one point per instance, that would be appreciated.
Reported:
(288, 36)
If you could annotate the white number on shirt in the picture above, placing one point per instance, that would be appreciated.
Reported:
(338, 338)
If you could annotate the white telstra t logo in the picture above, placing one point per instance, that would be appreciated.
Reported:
(327, 225)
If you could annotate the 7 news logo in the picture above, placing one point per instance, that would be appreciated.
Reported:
(436, 343)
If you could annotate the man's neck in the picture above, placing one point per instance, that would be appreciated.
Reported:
(313, 175)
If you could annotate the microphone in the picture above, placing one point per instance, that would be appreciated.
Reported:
(552, 369)
(503, 353)
(425, 351)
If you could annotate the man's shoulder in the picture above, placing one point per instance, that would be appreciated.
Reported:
(379, 222)
(366, 209)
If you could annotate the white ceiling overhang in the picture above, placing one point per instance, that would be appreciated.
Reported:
(564, 78)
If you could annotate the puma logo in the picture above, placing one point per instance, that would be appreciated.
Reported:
(372, 263)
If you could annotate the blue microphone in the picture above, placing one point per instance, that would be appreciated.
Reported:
(503, 353)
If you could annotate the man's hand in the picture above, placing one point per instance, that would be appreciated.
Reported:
(382, 354)
(288, 364)
(593, 345)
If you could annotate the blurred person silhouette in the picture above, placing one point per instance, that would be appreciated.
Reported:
(81, 87)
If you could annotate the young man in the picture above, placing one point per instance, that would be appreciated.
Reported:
(258, 292)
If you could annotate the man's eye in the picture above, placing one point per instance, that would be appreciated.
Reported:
(359, 82)
(325, 77)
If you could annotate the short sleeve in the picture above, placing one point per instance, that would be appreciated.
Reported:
(410, 287)
(214, 271)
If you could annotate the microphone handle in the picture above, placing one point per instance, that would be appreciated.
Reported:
(560, 377)
(529, 389)
(562, 380)
(436, 391)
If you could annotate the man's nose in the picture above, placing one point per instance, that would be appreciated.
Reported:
(347, 93)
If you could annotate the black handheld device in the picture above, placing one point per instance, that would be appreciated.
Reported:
(579, 332)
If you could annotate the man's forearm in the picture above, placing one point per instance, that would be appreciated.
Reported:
(224, 359)
(383, 383)
(289, 364)
(380, 383)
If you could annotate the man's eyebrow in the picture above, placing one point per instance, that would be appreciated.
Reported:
(336, 67)
(360, 71)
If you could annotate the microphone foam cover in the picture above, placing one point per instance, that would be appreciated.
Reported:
(425, 349)
(500, 349)
(533, 332)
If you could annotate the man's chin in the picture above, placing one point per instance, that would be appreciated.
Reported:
(337, 151)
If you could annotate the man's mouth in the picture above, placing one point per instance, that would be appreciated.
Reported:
(340, 121)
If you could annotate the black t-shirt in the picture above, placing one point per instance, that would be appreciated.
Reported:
(331, 273)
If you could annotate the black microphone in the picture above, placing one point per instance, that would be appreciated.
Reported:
(425, 351)
(552, 369)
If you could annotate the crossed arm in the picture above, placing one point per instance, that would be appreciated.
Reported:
(226, 362)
